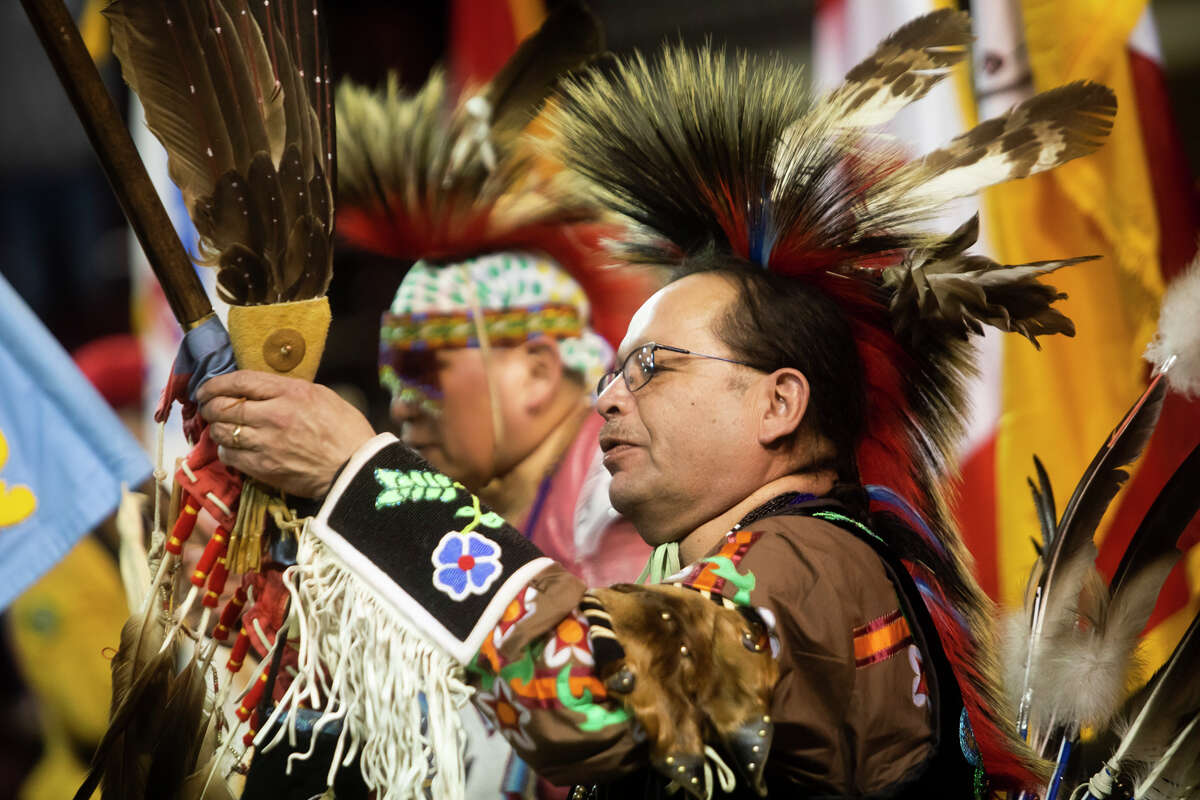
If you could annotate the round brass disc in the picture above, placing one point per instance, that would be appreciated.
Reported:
(284, 349)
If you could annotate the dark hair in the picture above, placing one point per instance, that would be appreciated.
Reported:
(778, 322)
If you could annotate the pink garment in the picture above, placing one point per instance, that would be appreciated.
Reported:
(576, 525)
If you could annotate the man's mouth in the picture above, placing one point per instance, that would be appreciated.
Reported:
(609, 443)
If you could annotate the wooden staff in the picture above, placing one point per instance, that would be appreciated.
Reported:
(119, 157)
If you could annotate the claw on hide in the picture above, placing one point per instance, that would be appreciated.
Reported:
(621, 682)
(685, 771)
(749, 744)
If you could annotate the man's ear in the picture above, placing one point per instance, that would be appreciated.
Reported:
(543, 373)
(785, 400)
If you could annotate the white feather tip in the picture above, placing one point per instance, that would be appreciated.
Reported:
(1175, 348)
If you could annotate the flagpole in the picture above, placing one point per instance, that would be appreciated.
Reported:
(119, 157)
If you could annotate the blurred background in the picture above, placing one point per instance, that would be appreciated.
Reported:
(65, 248)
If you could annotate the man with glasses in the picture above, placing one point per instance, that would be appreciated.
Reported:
(712, 457)
(779, 428)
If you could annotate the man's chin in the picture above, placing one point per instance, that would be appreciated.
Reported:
(625, 493)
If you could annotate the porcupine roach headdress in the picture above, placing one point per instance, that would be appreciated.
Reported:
(703, 151)
(456, 181)
(237, 92)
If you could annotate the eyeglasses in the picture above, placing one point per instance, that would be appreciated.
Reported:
(639, 366)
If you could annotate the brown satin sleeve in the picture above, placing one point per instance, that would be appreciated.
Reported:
(844, 711)
(535, 683)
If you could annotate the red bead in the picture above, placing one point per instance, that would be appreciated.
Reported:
(240, 646)
(184, 526)
(216, 582)
(252, 698)
(212, 551)
(229, 614)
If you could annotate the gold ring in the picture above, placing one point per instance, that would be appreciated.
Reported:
(237, 431)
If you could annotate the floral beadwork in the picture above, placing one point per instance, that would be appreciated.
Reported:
(569, 641)
(400, 486)
(506, 714)
(521, 606)
(465, 563)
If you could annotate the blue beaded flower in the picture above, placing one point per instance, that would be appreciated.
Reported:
(465, 563)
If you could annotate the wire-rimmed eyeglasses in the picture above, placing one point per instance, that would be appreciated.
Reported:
(639, 366)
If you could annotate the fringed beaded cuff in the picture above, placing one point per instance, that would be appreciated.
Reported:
(425, 545)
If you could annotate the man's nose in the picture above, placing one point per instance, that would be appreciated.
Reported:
(615, 400)
(404, 410)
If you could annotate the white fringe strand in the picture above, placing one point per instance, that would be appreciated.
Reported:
(362, 663)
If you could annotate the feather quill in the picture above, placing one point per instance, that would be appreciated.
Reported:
(1172, 698)
(237, 93)
(1177, 773)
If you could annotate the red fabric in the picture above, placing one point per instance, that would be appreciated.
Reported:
(211, 477)
(270, 601)
(974, 509)
(482, 37)
(115, 366)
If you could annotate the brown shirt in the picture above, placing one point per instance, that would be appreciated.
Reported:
(850, 707)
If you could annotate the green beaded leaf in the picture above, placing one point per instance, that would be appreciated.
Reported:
(491, 520)
(413, 486)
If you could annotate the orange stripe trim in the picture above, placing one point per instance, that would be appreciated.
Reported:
(881, 639)
(546, 689)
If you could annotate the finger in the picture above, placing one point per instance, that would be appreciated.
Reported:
(247, 438)
(224, 409)
(237, 410)
(245, 383)
(238, 458)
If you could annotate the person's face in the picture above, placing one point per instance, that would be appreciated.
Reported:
(676, 447)
(458, 439)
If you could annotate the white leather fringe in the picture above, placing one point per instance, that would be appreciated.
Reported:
(396, 693)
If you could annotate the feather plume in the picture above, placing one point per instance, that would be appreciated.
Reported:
(958, 293)
(707, 153)
(1072, 621)
(1178, 335)
(1103, 478)
(404, 194)
(1154, 546)
(903, 68)
(237, 92)
(159, 726)
(570, 37)
(415, 181)
(1043, 500)
(1041, 133)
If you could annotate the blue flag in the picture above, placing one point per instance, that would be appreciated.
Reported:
(63, 452)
